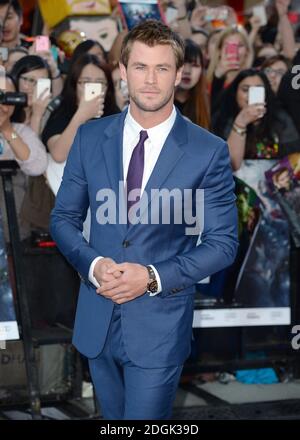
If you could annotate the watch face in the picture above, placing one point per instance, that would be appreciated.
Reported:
(153, 286)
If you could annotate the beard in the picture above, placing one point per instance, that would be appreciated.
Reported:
(151, 107)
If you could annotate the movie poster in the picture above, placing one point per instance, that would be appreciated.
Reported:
(255, 290)
(8, 323)
(284, 183)
(136, 11)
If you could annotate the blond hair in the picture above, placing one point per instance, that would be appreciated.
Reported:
(239, 30)
(152, 33)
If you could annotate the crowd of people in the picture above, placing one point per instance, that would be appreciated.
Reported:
(223, 61)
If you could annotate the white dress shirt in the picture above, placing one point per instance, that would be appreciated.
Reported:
(153, 145)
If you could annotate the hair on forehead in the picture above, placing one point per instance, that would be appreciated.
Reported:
(153, 33)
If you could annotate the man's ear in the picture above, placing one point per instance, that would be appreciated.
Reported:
(123, 72)
(178, 76)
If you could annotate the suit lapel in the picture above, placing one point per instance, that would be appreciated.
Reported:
(113, 156)
(113, 150)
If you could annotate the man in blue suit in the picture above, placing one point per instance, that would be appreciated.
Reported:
(143, 259)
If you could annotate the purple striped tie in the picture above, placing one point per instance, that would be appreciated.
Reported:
(136, 168)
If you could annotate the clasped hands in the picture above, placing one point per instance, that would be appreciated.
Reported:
(120, 282)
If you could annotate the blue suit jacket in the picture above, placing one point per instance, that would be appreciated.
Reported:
(157, 330)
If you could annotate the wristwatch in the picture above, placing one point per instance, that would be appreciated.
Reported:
(239, 130)
(152, 285)
(11, 137)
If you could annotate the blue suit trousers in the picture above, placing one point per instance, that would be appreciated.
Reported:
(126, 391)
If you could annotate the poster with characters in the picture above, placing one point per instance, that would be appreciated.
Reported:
(54, 11)
(284, 183)
(101, 29)
(255, 290)
(134, 12)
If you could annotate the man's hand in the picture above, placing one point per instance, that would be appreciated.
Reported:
(129, 282)
(101, 268)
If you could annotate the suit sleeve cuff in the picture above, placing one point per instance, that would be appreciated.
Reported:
(158, 281)
(92, 279)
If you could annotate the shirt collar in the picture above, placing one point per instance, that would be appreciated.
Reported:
(154, 133)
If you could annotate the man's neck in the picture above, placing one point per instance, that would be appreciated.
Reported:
(150, 119)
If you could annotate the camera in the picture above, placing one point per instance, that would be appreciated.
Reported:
(13, 98)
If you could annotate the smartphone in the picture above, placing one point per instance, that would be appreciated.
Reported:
(256, 95)
(218, 13)
(42, 43)
(92, 90)
(171, 14)
(260, 11)
(3, 53)
(232, 51)
(42, 85)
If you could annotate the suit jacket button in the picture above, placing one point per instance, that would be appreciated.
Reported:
(125, 243)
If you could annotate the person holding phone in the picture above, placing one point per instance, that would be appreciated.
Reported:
(42, 48)
(28, 72)
(75, 109)
(19, 142)
(256, 129)
(33, 77)
(232, 54)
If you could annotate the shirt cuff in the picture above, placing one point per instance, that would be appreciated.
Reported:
(158, 281)
(92, 279)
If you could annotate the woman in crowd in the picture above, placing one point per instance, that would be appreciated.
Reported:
(15, 55)
(256, 131)
(26, 73)
(19, 142)
(275, 68)
(91, 47)
(74, 110)
(191, 94)
(232, 54)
